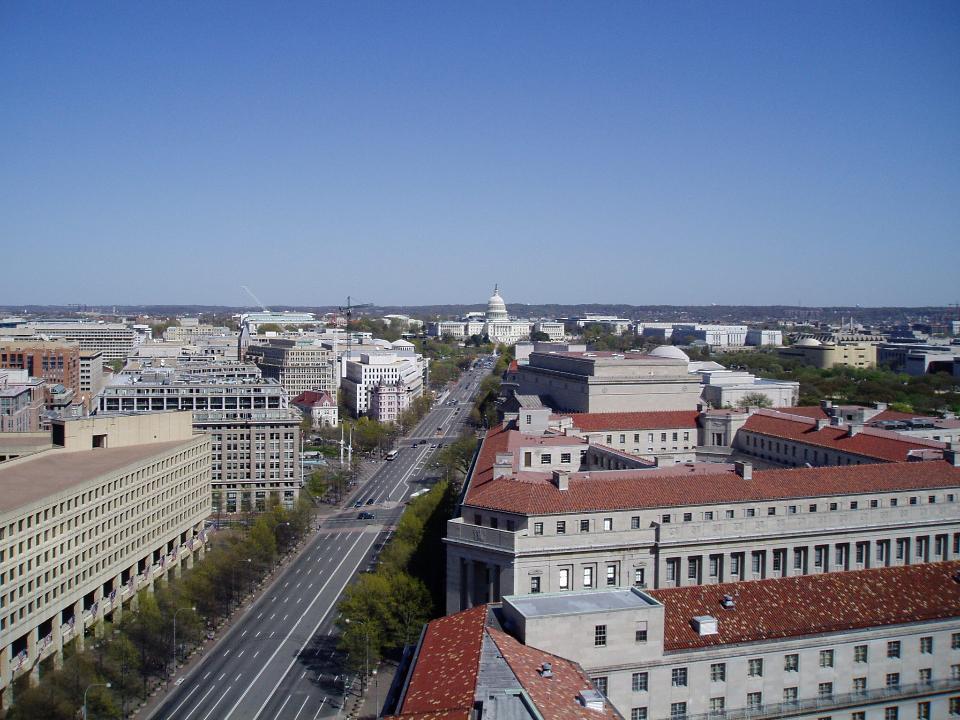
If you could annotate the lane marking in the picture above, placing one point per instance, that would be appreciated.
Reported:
(280, 711)
(174, 713)
(240, 654)
(310, 635)
(197, 707)
(301, 707)
(217, 702)
(256, 653)
(207, 675)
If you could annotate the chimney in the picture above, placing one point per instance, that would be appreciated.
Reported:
(503, 465)
(561, 480)
(836, 421)
(704, 625)
(952, 454)
(822, 423)
(744, 470)
(854, 428)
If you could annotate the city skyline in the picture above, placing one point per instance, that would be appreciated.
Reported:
(750, 154)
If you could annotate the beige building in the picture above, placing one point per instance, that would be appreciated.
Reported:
(115, 503)
(880, 644)
(603, 382)
(827, 354)
(535, 519)
(298, 365)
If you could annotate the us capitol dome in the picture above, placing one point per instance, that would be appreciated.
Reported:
(496, 307)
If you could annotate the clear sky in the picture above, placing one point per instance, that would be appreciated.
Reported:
(411, 152)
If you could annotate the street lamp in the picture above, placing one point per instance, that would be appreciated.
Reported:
(175, 613)
(106, 685)
(376, 694)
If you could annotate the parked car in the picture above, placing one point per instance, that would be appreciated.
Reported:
(358, 503)
(369, 501)
(366, 516)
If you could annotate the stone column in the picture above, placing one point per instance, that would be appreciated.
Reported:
(6, 682)
(78, 624)
(57, 639)
(33, 636)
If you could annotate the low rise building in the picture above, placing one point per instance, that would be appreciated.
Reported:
(320, 407)
(668, 436)
(21, 402)
(114, 340)
(115, 503)
(825, 354)
(759, 337)
(724, 388)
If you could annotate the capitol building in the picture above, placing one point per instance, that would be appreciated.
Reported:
(496, 324)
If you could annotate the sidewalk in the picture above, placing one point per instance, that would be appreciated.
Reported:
(367, 708)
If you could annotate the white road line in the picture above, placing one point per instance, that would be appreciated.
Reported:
(263, 667)
(301, 707)
(174, 713)
(285, 617)
(244, 633)
(309, 586)
(284, 705)
(207, 675)
(273, 633)
(226, 652)
(258, 634)
(240, 654)
(320, 708)
(256, 653)
(222, 675)
(304, 675)
(217, 702)
(298, 600)
(309, 571)
(238, 677)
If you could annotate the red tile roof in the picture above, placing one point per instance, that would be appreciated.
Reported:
(869, 442)
(435, 690)
(592, 422)
(555, 697)
(811, 604)
(312, 397)
(444, 679)
(531, 493)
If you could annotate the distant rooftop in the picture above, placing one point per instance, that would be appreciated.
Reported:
(554, 604)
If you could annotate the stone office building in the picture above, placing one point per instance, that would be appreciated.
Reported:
(551, 528)
(113, 504)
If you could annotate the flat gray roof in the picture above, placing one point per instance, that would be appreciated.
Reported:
(589, 601)
(29, 479)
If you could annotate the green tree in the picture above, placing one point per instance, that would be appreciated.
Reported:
(756, 399)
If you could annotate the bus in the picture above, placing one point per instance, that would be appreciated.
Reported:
(392, 455)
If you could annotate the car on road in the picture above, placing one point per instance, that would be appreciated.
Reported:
(366, 516)
(358, 503)
(416, 444)
(370, 501)
(433, 446)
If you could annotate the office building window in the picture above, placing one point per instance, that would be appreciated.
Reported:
(893, 679)
(635, 525)
(926, 675)
(754, 700)
(638, 577)
(564, 578)
(860, 653)
(611, 574)
(826, 658)
(859, 684)
(891, 713)
(561, 527)
(790, 695)
(923, 710)
(600, 683)
(893, 649)
(588, 577)
(825, 689)
(678, 677)
(640, 631)
(638, 713)
(534, 585)
(791, 663)
(608, 524)
(538, 528)
(926, 645)
(755, 667)
(639, 682)
(600, 636)
(716, 705)
(718, 672)
(678, 711)
(584, 526)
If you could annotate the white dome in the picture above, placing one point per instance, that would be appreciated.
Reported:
(496, 307)
(809, 342)
(671, 352)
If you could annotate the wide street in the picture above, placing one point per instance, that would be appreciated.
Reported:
(279, 659)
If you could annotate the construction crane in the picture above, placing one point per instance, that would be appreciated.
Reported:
(349, 308)
(263, 307)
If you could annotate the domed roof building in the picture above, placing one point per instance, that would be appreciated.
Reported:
(496, 307)
(671, 352)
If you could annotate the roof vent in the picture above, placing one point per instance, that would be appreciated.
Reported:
(822, 423)
(853, 429)
(728, 602)
(546, 670)
(590, 699)
(704, 625)
(744, 470)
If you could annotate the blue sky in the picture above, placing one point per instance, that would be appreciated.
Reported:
(411, 153)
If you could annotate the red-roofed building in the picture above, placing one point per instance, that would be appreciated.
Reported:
(532, 523)
(321, 407)
(878, 643)
(670, 436)
(789, 439)
(467, 668)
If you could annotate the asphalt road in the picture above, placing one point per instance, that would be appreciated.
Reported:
(279, 660)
